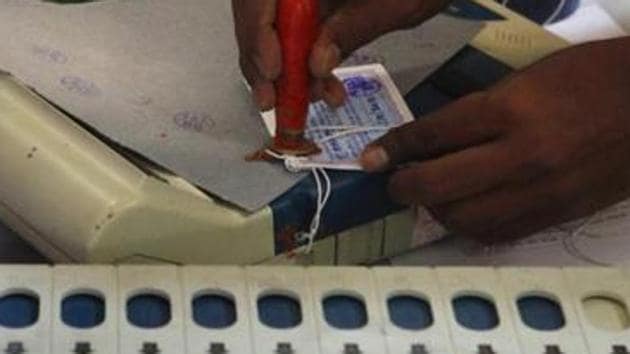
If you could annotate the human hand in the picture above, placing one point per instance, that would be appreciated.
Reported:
(547, 145)
(346, 26)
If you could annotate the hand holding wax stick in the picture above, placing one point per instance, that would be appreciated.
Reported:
(297, 27)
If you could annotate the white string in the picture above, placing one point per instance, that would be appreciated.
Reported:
(353, 131)
(322, 179)
(552, 17)
(329, 128)
(324, 191)
(572, 248)
(556, 13)
(291, 163)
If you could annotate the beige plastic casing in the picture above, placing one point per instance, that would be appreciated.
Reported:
(76, 199)
(516, 41)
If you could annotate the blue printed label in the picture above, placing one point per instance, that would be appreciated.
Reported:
(374, 106)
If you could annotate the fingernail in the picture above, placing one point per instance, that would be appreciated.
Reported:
(269, 68)
(263, 101)
(374, 159)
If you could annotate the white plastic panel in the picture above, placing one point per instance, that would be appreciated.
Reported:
(609, 285)
(420, 283)
(290, 282)
(586, 329)
(357, 283)
(100, 281)
(32, 281)
(163, 281)
(482, 283)
(223, 281)
(547, 283)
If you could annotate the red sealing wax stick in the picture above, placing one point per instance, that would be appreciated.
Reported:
(297, 26)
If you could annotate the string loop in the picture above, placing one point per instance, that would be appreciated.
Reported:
(323, 182)
(324, 190)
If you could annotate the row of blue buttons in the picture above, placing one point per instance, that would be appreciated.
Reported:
(343, 312)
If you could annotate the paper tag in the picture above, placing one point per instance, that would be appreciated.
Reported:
(374, 107)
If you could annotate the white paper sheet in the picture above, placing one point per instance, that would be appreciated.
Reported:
(603, 239)
(589, 23)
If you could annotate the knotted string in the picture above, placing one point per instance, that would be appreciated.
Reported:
(321, 177)
(324, 190)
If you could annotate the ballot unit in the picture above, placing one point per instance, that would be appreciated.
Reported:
(285, 310)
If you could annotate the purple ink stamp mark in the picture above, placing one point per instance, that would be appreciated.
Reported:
(79, 86)
(362, 58)
(194, 121)
(50, 55)
(140, 100)
(361, 86)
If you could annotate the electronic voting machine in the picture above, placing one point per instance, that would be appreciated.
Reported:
(77, 198)
(326, 310)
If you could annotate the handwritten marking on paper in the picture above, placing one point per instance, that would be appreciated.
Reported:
(194, 121)
(50, 55)
(363, 58)
(361, 86)
(79, 86)
(141, 100)
(422, 41)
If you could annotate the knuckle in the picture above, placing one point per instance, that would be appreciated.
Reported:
(254, 46)
(417, 140)
(427, 143)
(398, 142)
(539, 153)
(500, 109)
(528, 160)
(547, 157)
(251, 42)
(491, 110)
(431, 187)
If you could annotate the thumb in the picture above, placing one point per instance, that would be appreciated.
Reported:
(462, 124)
(358, 22)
